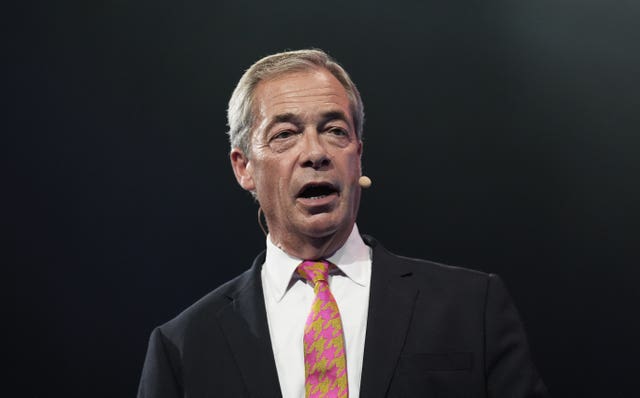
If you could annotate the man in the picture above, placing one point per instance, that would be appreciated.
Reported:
(324, 311)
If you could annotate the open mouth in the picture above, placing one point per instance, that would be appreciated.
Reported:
(317, 191)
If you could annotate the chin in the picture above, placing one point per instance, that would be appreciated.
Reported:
(324, 225)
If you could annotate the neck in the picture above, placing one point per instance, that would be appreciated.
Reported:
(312, 248)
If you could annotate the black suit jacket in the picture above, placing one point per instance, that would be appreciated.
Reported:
(432, 331)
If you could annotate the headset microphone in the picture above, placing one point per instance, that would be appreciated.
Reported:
(364, 182)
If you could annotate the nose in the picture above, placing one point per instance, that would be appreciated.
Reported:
(314, 154)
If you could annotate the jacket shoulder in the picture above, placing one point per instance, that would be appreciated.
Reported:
(444, 275)
(203, 313)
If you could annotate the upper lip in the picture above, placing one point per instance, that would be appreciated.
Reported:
(326, 185)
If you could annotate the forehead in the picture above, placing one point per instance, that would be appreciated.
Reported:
(300, 92)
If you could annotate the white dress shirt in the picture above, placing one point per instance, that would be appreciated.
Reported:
(288, 301)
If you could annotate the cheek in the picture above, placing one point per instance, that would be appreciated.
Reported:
(355, 165)
(279, 187)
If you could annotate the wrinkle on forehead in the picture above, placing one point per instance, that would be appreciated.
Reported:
(288, 97)
(299, 92)
(328, 89)
(325, 94)
(301, 100)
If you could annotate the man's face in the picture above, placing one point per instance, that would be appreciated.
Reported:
(304, 160)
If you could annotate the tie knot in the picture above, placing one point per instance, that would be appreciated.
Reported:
(314, 271)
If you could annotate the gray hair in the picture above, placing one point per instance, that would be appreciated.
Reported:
(240, 116)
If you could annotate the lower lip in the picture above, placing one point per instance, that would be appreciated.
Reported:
(318, 201)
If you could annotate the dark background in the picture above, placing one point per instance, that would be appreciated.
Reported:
(501, 136)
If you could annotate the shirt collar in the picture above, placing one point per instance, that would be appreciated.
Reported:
(353, 259)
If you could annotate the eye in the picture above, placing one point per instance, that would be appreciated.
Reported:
(282, 135)
(340, 132)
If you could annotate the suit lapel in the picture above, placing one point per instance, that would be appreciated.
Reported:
(244, 322)
(391, 304)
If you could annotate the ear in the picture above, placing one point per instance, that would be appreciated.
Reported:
(243, 169)
(360, 144)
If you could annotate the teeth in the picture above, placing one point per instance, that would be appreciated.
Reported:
(317, 197)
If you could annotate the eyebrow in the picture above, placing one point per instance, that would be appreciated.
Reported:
(296, 120)
(284, 118)
(334, 115)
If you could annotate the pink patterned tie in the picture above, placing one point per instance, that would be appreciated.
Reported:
(325, 361)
